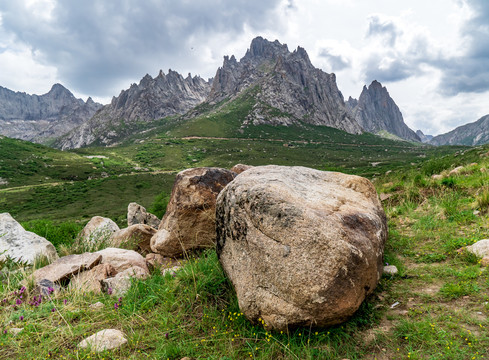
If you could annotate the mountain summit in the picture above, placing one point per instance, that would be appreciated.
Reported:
(287, 88)
(375, 111)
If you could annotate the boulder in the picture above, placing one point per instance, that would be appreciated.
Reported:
(67, 266)
(98, 231)
(21, 245)
(122, 259)
(137, 214)
(138, 235)
(301, 247)
(104, 340)
(189, 222)
(480, 248)
(437, 177)
(391, 270)
(120, 283)
(91, 280)
(456, 171)
(239, 168)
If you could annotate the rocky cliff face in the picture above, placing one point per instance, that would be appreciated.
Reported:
(476, 133)
(39, 118)
(149, 100)
(289, 89)
(424, 138)
(376, 111)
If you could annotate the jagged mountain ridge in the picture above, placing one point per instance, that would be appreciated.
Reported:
(424, 138)
(475, 133)
(39, 118)
(376, 111)
(152, 98)
(291, 89)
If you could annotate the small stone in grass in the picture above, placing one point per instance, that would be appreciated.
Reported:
(390, 270)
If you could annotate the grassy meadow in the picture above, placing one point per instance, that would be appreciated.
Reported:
(435, 308)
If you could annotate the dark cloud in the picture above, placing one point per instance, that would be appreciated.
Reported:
(94, 44)
(385, 29)
(336, 62)
(469, 73)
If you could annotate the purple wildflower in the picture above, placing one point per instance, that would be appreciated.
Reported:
(53, 309)
(109, 291)
(166, 335)
(65, 301)
(18, 301)
(116, 306)
(21, 318)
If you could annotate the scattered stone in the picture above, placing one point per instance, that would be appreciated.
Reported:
(396, 304)
(189, 222)
(97, 306)
(63, 268)
(18, 244)
(138, 235)
(98, 230)
(122, 259)
(104, 340)
(384, 197)
(157, 260)
(3, 181)
(480, 248)
(390, 270)
(92, 280)
(239, 168)
(15, 331)
(46, 287)
(171, 270)
(302, 247)
(137, 214)
(485, 261)
(122, 281)
(476, 212)
(437, 177)
(456, 171)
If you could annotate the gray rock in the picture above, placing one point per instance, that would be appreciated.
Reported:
(21, 245)
(480, 248)
(122, 259)
(302, 247)
(151, 99)
(104, 340)
(91, 280)
(390, 270)
(375, 111)
(98, 231)
(39, 118)
(97, 306)
(476, 133)
(120, 283)
(137, 214)
(139, 236)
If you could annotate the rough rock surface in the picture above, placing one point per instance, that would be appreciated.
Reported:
(138, 234)
(424, 138)
(480, 248)
(137, 214)
(390, 270)
(104, 340)
(67, 266)
(302, 247)
(286, 87)
(122, 259)
(189, 221)
(98, 229)
(476, 133)
(91, 280)
(375, 111)
(151, 99)
(120, 283)
(22, 245)
(239, 168)
(38, 118)
(157, 260)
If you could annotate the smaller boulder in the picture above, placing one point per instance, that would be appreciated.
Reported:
(21, 245)
(97, 231)
(138, 235)
(92, 280)
(104, 340)
(480, 248)
(137, 214)
(390, 270)
(120, 283)
(157, 260)
(239, 168)
(485, 261)
(456, 171)
(122, 259)
(63, 268)
(437, 177)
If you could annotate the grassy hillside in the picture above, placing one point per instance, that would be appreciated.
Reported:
(435, 308)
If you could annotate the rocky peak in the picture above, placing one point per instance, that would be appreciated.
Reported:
(261, 48)
(424, 138)
(376, 111)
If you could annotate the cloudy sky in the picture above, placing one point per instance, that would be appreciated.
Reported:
(433, 56)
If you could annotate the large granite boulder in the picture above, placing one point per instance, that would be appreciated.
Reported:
(137, 214)
(189, 221)
(302, 247)
(98, 231)
(138, 235)
(67, 266)
(21, 245)
(122, 259)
